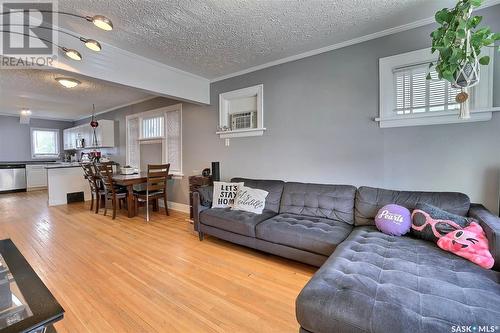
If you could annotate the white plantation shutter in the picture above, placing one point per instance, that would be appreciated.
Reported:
(415, 94)
(173, 136)
(153, 127)
(133, 147)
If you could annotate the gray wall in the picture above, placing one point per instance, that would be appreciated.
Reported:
(15, 138)
(318, 114)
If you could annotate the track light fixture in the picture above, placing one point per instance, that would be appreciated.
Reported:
(99, 21)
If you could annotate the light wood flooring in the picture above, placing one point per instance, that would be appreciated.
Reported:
(126, 275)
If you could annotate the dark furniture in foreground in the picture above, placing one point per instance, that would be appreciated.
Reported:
(27, 305)
(368, 281)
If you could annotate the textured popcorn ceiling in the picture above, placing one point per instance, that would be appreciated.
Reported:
(212, 38)
(38, 91)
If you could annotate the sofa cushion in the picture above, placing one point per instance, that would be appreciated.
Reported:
(369, 200)
(236, 221)
(274, 187)
(327, 201)
(313, 234)
(379, 283)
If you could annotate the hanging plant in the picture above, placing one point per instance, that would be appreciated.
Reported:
(459, 41)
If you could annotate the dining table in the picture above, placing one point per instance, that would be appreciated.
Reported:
(129, 181)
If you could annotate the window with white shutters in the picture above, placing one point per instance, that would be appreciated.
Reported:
(415, 94)
(407, 98)
(161, 126)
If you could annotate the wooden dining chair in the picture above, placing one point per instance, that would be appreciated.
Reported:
(111, 191)
(156, 187)
(95, 190)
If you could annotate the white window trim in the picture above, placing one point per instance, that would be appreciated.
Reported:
(148, 114)
(224, 111)
(58, 143)
(481, 99)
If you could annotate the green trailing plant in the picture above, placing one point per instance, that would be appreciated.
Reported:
(451, 36)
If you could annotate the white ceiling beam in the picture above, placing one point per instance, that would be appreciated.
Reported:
(119, 66)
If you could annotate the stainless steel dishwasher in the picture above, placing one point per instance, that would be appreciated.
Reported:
(12, 177)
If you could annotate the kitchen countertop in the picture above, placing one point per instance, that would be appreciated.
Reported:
(63, 165)
(29, 162)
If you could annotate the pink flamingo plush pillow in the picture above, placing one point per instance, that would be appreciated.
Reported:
(469, 243)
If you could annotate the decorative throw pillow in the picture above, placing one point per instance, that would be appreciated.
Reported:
(224, 194)
(393, 220)
(250, 200)
(431, 223)
(469, 243)
(206, 195)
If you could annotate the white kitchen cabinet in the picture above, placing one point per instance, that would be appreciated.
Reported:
(36, 176)
(105, 134)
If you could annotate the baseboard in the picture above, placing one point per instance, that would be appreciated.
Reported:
(183, 208)
(41, 188)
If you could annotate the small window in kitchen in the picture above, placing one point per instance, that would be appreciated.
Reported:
(44, 143)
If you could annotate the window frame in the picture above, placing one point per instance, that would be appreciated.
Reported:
(162, 139)
(481, 96)
(57, 139)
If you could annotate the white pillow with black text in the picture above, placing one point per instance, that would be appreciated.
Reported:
(224, 194)
(250, 200)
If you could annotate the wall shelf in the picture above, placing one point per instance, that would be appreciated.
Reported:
(246, 102)
(241, 133)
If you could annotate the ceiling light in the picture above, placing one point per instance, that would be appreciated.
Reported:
(73, 54)
(24, 117)
(91, 44)
(67, 82)
(102, 22)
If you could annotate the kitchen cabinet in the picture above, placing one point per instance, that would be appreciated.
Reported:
(105, 134)
(36, 176)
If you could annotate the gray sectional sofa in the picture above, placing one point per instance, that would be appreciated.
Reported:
(368, 281)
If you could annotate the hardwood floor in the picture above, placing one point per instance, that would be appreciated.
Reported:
(126, 275)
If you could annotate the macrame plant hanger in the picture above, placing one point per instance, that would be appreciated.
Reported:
(94, 124)
(467, 76)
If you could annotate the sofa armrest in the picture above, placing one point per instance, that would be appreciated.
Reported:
(491, 226)
(198, 207)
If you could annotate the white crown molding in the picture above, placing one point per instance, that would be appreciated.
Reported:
(118, 107)
(375, 35)
(86, 116)
(5, 114)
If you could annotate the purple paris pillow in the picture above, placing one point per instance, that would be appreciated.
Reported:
(393, 220)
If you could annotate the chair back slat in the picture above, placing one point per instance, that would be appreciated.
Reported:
(157, 177)
(105, 171)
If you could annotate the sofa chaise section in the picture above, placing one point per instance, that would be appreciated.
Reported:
(382, 284)
(379, 283)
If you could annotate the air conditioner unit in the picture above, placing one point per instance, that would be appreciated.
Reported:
(243, 120)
